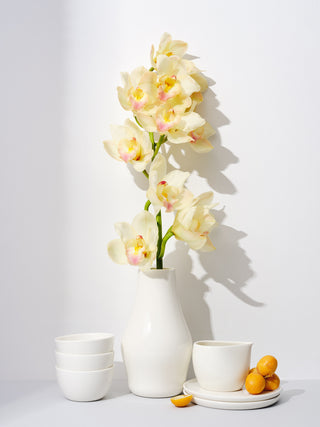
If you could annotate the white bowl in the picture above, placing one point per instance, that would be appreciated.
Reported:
(84, 362)
(221, 365)
(84, 386)
(85, 343)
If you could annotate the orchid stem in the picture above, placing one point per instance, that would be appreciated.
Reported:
(151, 136)
(166, 237)
(159, 224)
(137, 121)
(162, 139)
(146, 206)
(145, 173)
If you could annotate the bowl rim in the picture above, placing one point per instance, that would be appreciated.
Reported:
(84, 337)
(84, 372)
(81, 355)
(221, 344)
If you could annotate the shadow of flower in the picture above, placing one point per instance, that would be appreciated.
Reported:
(229, 264)
(210, 165)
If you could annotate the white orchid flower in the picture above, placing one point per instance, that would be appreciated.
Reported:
(138, 242)
(139, 92)
(200, 136)
(173, 79)
(171, 120)
(168, 47)
(195, 73)
(193, 224)
(196, 99)
(167, 189)
(130, 144)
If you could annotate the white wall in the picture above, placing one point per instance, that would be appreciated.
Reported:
(61, 193)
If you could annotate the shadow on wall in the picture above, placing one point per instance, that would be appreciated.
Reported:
(229, 265)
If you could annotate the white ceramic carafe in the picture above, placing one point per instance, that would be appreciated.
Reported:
(157, 345)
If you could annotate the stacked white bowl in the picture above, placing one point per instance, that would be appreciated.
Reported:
(84, 365)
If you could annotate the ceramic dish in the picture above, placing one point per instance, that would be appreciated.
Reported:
(221, 365)
(84, 386)
(193, 387)
(235, 405)
(85, 343)
(84, 362)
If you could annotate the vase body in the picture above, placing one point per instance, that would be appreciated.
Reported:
(157, 345)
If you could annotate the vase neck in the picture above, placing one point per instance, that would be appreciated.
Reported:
(157, 286)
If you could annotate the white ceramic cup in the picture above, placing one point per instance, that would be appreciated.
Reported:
(93, 343)
(84, 362)
(221, 365)
(84, 386)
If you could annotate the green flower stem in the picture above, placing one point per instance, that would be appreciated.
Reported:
(146, 206)
(166, 237)
(159, 224)
(151, 69)
(137, 121)
(151, 136)
(145, 173)
(162, 139)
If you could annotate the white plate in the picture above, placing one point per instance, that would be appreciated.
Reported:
(193, 387)
(235, 405)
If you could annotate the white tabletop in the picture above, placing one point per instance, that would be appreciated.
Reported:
(40, 404)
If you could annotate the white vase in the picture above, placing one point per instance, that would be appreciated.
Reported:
(157, 345)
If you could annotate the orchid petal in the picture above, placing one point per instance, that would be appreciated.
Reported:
(192, 121)
(195, 242)
(185, 201)
(111, 149)
(201, 146)
(189, 85)
(136, 75)
(178, 137)
(158, 170)
(145, 224)
(177, 178)
(117, 251)
(201, 80)
(148, 123)
(152, 196)
(165, 65)
(205, 199)
(125, 231)
(123, 99)
(208, 130)
(208, 246)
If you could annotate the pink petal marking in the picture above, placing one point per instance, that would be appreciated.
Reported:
(134, 259)
(163, 96)
(168, 206)
(194, 137)
(163, 126)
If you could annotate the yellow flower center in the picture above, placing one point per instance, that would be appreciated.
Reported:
(169, 82)
(168, 115)
(167, 195)
(138, 93)
(129, 149)
(165, 84)
(136, 250)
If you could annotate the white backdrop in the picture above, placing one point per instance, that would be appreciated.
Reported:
(61, 193)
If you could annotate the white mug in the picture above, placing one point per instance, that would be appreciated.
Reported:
(221, 365)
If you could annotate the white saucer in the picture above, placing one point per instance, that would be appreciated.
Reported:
(235, 405)
(193, 387)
